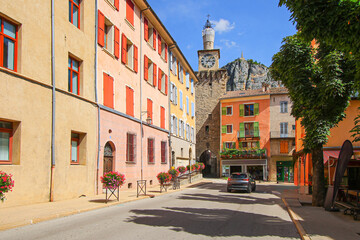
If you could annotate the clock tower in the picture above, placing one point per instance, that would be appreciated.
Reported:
(209, 57)
(210, 87)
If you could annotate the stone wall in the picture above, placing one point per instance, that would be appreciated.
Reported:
(211, 86)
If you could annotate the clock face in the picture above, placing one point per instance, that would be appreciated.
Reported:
(208, 61)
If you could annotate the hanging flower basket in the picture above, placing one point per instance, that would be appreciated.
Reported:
(174, 173)
(164, 177)
(181, 169)
(6, 184)
(113, 180)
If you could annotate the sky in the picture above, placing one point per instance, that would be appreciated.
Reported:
(254, 27)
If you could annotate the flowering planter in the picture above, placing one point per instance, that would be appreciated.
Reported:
(112, 182)
(6, 184)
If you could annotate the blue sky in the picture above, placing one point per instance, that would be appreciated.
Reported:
(254, 27)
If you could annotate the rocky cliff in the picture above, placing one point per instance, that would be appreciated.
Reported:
(247, 74)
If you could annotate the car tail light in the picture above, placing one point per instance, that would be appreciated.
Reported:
(229, 179)
(245, 179)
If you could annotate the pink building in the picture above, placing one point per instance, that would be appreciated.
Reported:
(132, 91)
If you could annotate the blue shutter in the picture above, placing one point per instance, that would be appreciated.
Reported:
(192, 85)
(187, 80)
(187, 105)
(181, 100)
(192, 109)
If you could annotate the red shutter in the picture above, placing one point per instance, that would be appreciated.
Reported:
(116, 42)
(116, 4)
(124, 49)
(130, 11)
(129, 101)
(149, 108)
(166, 84)
(146, 65)
(108, 91)
(154, 38)
(159, 44)
(154, 74)
(166, 52)
(146, 29)
(135, 59)
(101, 27)
(159, 77)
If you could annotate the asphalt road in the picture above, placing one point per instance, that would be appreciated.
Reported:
(203, 212)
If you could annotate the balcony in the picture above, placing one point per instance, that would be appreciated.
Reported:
(248, 134)
(278, 134)
(243, 154)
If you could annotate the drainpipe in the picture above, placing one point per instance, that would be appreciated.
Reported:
(141, 77)
(169, 105)
(96, 100)
(53, 101)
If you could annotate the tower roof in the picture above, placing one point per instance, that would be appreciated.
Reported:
(208, 23)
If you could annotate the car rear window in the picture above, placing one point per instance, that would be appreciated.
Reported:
(238, 176)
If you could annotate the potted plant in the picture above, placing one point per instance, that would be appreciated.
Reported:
(112, 180)
(164, 177)
(196, 167)
(201, 166)
(181, 169)
(174, 173)
(6, 184)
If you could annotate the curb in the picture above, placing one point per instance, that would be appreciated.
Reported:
(35, 220)
(296, 222)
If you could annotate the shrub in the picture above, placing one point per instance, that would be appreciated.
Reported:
(6, 184)
(164, 177)
(181, 169)
(113, 179)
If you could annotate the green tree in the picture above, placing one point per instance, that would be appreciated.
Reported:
(333, 22)
(320, 84)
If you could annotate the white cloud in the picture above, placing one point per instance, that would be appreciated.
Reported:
(223, 25)
(229, 44)
(188, 46)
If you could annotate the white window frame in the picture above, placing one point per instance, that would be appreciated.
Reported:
(283, 107)
(231, 110)
(232, 129)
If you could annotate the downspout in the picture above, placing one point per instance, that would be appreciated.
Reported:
(53, 101)
(141, 77)
(169, 91)
(96, 100)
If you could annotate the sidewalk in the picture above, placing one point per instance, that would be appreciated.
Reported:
(315, 223)
(18, 216)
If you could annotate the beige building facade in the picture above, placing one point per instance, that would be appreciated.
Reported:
(282, 136)
(48, 131)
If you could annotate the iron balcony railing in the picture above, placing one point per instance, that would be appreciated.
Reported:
(278, 134)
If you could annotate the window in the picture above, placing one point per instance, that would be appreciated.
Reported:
(75, 151)
(108, 91)
(163, 152)
(248, 145)
(164, 50)
(192, 86)
(181, 74)
(108, 35)
(162, 117)
(6, 140)
(229, 110)
(74, 12)
(187, 132)
(228, 128)
(192, 109)
(151, 157)
(181, 100)
(130, 12)
(173, 93)
(129, 53)
(150, 108)
(187, 79)
(149, 33)
(187, 105)
(207, 129)
(283, 129)
(115, 3)
(248, 109)
(129, 101)
(249, 129)
(181, 129)
(8, 47)
(284, 147)
(162, 81)
(283, 107)
(150, 71)
(74, 76)
(173, 64)
(293, 127)
(130, 147)
(192, 134)
(230, 145)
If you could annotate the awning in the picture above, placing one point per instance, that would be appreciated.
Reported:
(333, 154)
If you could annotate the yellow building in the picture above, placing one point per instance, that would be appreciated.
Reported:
(48, 114)
(182, 109)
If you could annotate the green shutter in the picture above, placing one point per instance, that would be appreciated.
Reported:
(223, 146)
(233, 146)
(242, 130)
(258, 144)
(241, 110)
(256, 108)
(223, 129)
(223, 111)
(256, 129)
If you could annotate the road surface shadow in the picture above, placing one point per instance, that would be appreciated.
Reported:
(215, 222)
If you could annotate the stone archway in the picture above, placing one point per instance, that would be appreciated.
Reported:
(205, 158)
(109, 157)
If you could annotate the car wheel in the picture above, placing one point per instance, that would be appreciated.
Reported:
(228, 190)
(249, 189)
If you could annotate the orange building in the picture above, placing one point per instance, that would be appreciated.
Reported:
(303, 164)
(245, 129)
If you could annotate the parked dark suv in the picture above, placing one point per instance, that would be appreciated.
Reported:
(241, 181)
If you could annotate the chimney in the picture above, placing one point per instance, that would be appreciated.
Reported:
(265, 87)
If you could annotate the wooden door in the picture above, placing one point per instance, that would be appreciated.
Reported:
(108, 164)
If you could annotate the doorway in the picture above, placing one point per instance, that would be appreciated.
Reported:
(108, 157)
